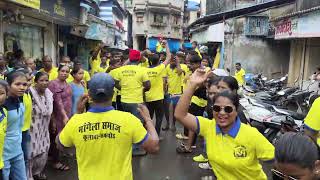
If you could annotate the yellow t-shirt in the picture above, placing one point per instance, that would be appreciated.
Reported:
(95, 64)
(86, 76)
(235, 155)
(156, 75)
(103, 142)
(114, 73)
(3, 129)
(313, 118)
(101, 69)
(144, 64)
(199, 54)
(53, 74)
(131, 79)
(186, 74)
(174, 81)
(27, 101)
(240, 77)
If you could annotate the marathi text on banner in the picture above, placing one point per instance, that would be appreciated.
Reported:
(30, 3)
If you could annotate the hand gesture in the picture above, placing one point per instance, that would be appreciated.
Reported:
(144, 112)
(81, 106)
(199, 77)
(164, 42)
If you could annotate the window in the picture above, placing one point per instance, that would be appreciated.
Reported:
(139, 18)
(25, 37)
(158, 18)
(176, 20)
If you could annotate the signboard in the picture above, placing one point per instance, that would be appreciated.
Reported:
(35, 4)
(61, 9)
(305, 26)
(256, 26)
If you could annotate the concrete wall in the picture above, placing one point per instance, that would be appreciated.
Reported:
(307, 4)
(314, 56)
(256, 54)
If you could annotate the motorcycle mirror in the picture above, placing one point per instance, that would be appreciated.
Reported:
(264, 79)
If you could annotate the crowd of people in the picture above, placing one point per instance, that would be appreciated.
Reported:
(107, 115)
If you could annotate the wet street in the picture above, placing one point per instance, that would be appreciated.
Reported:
(165, 165)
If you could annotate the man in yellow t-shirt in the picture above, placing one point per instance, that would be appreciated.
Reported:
(312, 121)
(154, 97)
(115, 63)
(144, 61)
(195, 48)
(48, 68)
(240, 74)
(103, 137)
(175, 76)
(133, 82)
(197, 107)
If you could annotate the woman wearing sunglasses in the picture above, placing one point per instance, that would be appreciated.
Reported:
(234, 149)
(296, 157)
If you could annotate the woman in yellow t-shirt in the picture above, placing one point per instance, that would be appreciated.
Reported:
(3, 119)
(240, 146)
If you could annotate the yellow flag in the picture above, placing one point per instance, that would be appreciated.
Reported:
(217, 60)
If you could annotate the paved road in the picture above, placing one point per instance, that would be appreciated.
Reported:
(167, 165)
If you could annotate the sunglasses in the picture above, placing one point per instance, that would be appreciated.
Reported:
(280, 175)
(227, 109)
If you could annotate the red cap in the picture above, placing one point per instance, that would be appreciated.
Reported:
(134, 55)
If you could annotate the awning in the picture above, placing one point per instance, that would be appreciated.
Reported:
(219, 17)
(101, 33)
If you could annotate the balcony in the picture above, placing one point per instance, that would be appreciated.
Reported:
(157, 24)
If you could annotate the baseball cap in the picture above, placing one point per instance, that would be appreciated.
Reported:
(101, 87)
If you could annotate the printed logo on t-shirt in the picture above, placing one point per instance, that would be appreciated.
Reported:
(240, 151)
(92, 127)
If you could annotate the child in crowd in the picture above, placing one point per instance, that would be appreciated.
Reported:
(14, 163)
(78, 87)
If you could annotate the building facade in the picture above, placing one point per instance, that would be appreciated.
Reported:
(152, 19)
(301, 29)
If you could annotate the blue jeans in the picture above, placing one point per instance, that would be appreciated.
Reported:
(14, 169)
(26, 146)
(174, 100)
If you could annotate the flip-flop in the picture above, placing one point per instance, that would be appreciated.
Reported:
(182, 149)
(40, 176)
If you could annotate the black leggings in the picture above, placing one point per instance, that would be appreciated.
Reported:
(196, 111)
(156, 107)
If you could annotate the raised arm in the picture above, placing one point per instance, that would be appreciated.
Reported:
(168, 54)
(181, 113)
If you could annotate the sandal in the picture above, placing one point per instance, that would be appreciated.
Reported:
(40, 176)
(61, 167)
(183, 149)
(165, 128)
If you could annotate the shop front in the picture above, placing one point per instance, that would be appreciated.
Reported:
(303, 31)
